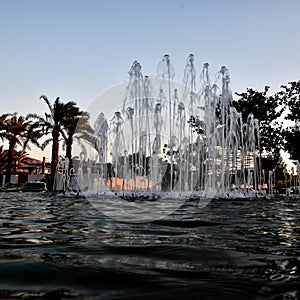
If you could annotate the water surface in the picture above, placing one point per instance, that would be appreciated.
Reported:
(58, 248)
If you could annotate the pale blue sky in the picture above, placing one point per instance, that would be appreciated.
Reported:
(75, 49)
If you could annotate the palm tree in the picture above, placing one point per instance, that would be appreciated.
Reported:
(2, 124)
(18, 157)
(54, 123)
(76, 122)
(18, 131)
(3, 153)
(3, 159)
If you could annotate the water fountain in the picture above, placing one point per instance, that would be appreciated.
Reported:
(171, 139)
(61, 178)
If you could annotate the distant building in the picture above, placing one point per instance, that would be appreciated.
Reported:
(28, 169)
(35, 166)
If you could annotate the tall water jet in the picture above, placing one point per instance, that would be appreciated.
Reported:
(166, 72)
(167, 137)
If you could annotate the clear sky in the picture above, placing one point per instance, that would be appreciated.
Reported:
(76, 49)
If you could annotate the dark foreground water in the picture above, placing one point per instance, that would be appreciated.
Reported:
(60, 248)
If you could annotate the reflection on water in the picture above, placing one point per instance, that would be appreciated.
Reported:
(59, 248)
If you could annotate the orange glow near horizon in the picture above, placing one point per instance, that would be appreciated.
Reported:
(133, 184)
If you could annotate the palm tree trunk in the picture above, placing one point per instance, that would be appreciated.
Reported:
(69, 144)
(55, 151)
(9, 165)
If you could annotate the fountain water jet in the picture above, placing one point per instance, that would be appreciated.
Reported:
(147, 149)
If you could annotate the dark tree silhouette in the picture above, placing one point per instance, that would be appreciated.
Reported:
(76, 122)
(267, 109)
(53, 123)
(18, 131)
(290, 96)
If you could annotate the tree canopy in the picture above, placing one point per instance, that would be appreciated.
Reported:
(18, 131)
(290, 96)
(55, 122)
(267, 109)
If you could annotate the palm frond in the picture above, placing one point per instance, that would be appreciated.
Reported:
(45, 98)
(46, 143)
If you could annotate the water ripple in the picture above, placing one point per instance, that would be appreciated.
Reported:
(227, 250)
